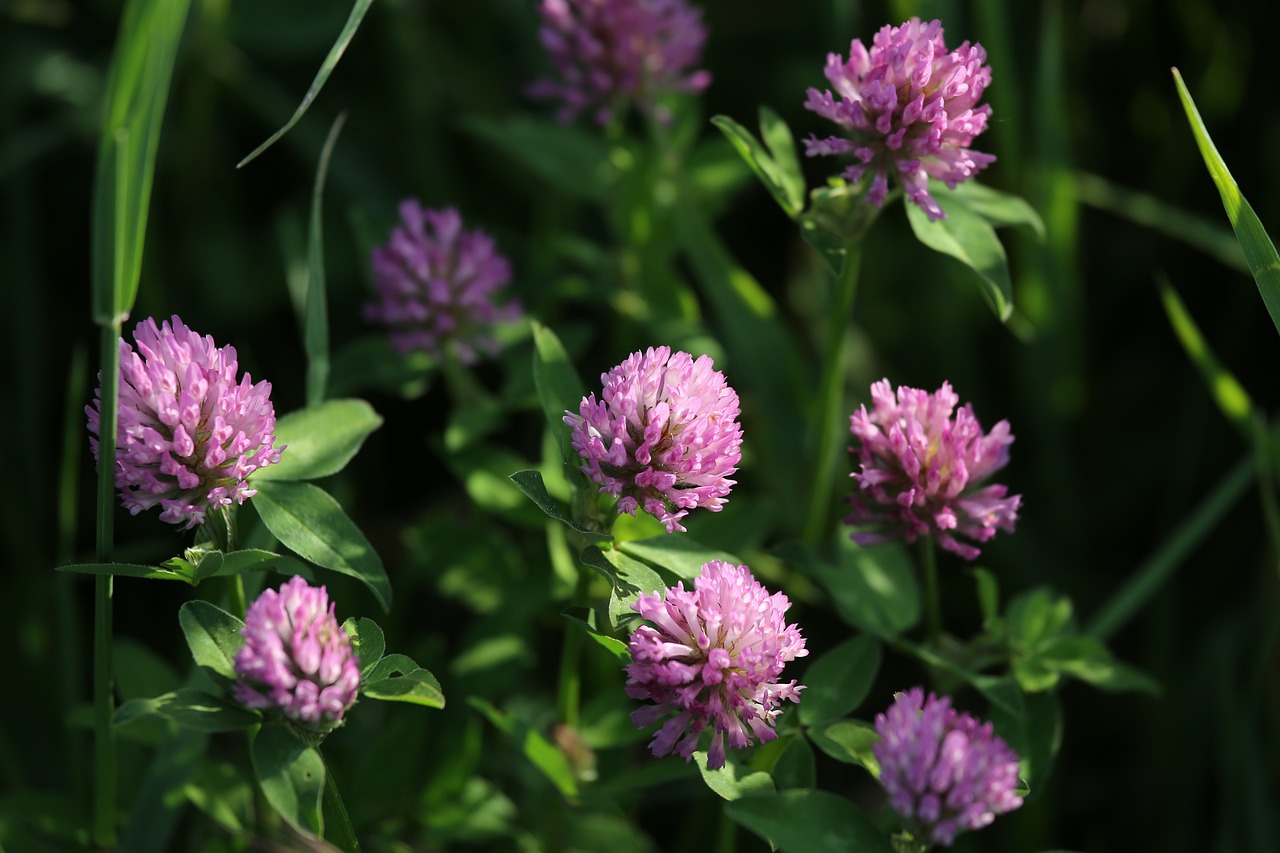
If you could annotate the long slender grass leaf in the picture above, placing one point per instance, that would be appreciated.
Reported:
(316, 314)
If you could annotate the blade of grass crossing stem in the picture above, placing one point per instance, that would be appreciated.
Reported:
(69, 630)
(316, 312)
(137, 93)
(1259, 251)
(326, 68)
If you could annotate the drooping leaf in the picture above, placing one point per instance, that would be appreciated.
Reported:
(213, 635)
(970, 239)
(999, 209)
(326, 68)
(320, 440)
(292, 777)
(309, 522)
(530, 482)
(191, 709)
(579, 616)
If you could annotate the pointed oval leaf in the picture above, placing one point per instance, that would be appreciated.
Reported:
(127, 570)
(849, 741)
(416, 686)
(369, 642)
(320, 439)
(559, 387)
(191, 709)
(733, 781)
(291, 775)
(809, 822)
(838, 681)
(308, 521)
(970, 239)
(766, 169)
(681, 555)
(530, 482)
(213, 635)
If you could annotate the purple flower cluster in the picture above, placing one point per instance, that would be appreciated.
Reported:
(712, 656)
(296, 660)
(188, 434)
(611, 52)
(923, 465)
(664, 435)
(436, 284)
(908, 108)
(945, 771)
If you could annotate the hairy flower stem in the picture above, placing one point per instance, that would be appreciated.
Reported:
(929, 565)
(830, 401)
(104, 774)
(342, 832)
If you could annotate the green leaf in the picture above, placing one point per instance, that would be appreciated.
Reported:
(315, 321)
(530, 482)
(368, 641)
(1035, 734)
(326, 68)
(1037, 615)
(137, 93)
(782, 145)
(970, 239)
(579, 616)
(191, 709)
(874, 588)
(1000, 691)
(681, 555)
(320, 440)
(1259, 251)
(1000, 209)
(629, 579)
(809, 822)
(849, 741)
(733, 781)
(781, 183)
(217, 564)
(559, 388)
(291, 775)
(308, 521)
(222, 792)
(795, 766)
(213, 635)
(371, 362)
(541, 753)
(128, 570)
(397, 678)
(568, 158)
(837, 682)
(988, 596)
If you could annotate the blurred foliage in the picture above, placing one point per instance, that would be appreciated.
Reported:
(1118, 440)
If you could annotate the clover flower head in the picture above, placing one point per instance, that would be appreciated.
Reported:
(712, 656)
(943, 770)
(188, 434)
(435, 285)
(923, 465)
(909, 110)
(297, 660)
(611, 52)
(664, 436)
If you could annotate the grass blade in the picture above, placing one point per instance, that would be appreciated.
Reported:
(1259, 251)
(326, 68)
(316, 312)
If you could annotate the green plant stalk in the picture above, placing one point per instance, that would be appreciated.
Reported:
(344, 833)
(830, 402)
(70, 654)
(104, 788)
(569, 687)
(932, 610)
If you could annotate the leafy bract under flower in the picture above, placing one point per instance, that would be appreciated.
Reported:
(609, 53)
(296, 660)
(909, 110)
(923, 463)
(944, 771)
(664, 436)
(436, 285)
(712, 656)
(188, 434)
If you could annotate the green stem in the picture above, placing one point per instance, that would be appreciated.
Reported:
(830, 402)
(933, 614)
(569, 689)
(104, 788)
(342, 832)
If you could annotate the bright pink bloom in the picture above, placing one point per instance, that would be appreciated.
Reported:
(436, 285)
(923, 466)
(944, 771)
(609, 53)
(296, 659)
(909, 108)
(712, 657)
(664, 436)
(188, 434)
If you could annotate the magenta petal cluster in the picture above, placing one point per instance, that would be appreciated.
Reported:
(436, 284)
(712, 656)
(188, 433)
(296, 660)
(609, 53)
(923, 465)
(909, 110)
(944, 771)
(663, 437)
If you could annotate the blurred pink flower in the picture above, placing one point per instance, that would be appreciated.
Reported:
(909, 108)
(712, 657)
(188, 435)
(923, 466)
